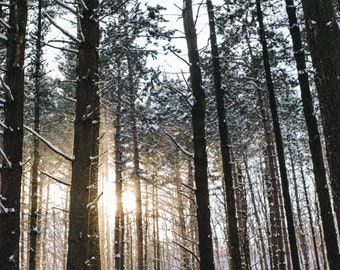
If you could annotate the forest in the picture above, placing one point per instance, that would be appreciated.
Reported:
(162, 135)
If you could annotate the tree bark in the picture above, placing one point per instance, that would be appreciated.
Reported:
(199, 141)
(11, 170)
(233, 236)
(323, 36)
(83, 242)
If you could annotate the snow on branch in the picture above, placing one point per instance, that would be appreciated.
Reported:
(5, 157)
(62, 29)
(49, 144)
(184, 151)
(91, 204)
(56, 179)
(62, 4)
(3, 37)
(61, 48)
(7, 88)
(82, 3)
(2, 22)
(187, 249)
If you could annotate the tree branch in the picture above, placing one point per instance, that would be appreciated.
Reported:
(56, 179)
(184, 151)
(49, 144)
(187, 249)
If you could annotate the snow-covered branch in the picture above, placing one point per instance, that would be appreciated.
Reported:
(62, 29)
(49, 144)
(184, 151)
(6, 25)
(82, 3)
(56, 179)
(5, 157)
(62, 48)
(3, 37)
(7, 88)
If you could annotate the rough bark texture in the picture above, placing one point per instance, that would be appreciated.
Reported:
(233, 237)
(279, 148)
(11, 170)
(83, 240)
(323, 35)
(199, 141)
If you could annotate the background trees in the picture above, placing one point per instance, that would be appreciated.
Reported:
(143, 167)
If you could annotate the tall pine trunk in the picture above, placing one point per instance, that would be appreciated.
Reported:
(35, 212)
(136, 167)
(199, 141)
(83, 239)
(323, 35)
(233, 236)
(279, 146)
(119, 214)
(11, 170)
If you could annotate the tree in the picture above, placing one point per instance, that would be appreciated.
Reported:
(279, 145)
(11, 169)
(83, 239)
(234, 243)
(313, 133)
(199, 141)
(323, 34)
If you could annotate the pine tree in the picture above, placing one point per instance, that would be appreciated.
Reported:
(11, 170)
(199, 142)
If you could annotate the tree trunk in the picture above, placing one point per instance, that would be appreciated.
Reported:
(136, 169)
(199, 141)
(271, 184)
(262, 235)
(233, 237)
(279, 148)
(323, 35)
(11, 169)
(310, 218)
(83, 239)
(119, 215)
(313, 132)
(302, 231)
(35, 211)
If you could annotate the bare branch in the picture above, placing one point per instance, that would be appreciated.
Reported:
(56, 179)
(49, 144)
(94, 202)
(187, 249)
